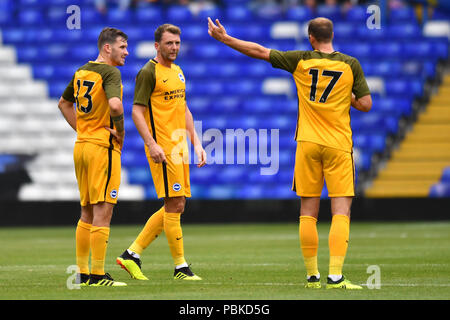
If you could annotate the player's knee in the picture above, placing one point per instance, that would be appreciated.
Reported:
(175, 205)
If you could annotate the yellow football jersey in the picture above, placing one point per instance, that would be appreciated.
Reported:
(325, 82)
(162, 90)
(90, 89)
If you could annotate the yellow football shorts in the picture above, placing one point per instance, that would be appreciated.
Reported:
(171, 179)
(314, 163)
(98, 170)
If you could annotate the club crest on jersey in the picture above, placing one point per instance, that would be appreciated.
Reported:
(176, 187)
(113, 193)
(180, 75)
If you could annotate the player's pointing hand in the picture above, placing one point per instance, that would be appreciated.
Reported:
(218, 31)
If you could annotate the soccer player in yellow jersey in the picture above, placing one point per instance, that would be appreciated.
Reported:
(96, 89)
(164, 121)
(328, 83)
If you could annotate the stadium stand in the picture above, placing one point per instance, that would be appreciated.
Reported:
(225, 90)
(417, 165)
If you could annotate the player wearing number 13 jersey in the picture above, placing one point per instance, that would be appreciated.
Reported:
(96, 90)
(328, 84)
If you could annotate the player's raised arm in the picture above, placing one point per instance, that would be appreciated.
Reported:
(251, 49)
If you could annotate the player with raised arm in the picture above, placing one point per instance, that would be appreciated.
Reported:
(96, 89)
(328, 83)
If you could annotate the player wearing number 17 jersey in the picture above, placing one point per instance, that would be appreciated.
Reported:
(328, 83)
(96, 89)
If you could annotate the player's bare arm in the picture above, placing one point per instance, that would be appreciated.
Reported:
(251, 49)
(68, 112)
(363, 104)
(192, 134)
(138, 116)
(116, 110)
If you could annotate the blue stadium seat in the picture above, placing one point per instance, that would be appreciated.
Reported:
(29, 17)
(446, 175)
(242, 87)
(344, 31)
(251, 191)
(196, 87)
(256, 69)
(386, 49)
(440, 190)
(207, 50)
(199, 105)
(254, 32)
(331, 12)
(210, 11)
(56, 16)
(6, 18)
(299, 13)
(404, 87)
(117, 16)
(150, 15)
(139, 175)
(44, 71)
(269, 12)
(429, 69)
(56, 88)
(27, 54)
(221, 192)
(90, 35)
(64, 36)
(359, 50)
(402, 14)
(365, 34)
(194, 32)
(238, 13)
(28, 4)
(386, 68)
(373, 142)
(178, 13)
(5, 160)
(204, 175)
(65, 71)
(232, 174)
(404, 31)
(84, 52)
(363, 159)
(392, 106)
(356, 14)
(257, 105)
(134, 158)
(14, 35)
(91, 16)
(225, 104)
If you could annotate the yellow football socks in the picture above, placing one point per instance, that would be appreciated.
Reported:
(309, 242)
(99, 243)
(150, 232)
(174, 234)
(83, 245)
(338, 242)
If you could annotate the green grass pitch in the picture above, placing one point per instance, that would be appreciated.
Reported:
(236, 261)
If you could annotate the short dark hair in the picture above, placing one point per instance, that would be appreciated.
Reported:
(321, 29)
(166, 27)
(109, 35)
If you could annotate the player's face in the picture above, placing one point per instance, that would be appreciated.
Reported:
(119, 51)
(169, 46)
